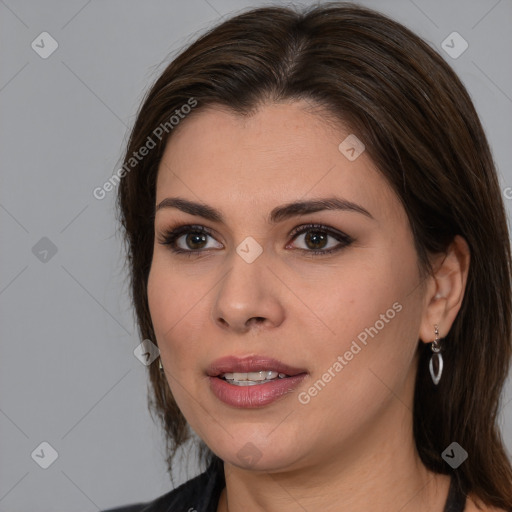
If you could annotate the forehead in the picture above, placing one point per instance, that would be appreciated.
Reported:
(281, 153)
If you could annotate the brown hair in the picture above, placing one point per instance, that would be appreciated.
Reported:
(422, 131)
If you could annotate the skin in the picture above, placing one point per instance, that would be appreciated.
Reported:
(351, 447)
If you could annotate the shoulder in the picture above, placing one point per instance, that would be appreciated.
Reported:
(199, 493)
(473, 504)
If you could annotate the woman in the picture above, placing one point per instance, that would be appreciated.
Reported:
(318, 246)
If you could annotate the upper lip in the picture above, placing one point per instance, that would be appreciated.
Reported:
(233, 364)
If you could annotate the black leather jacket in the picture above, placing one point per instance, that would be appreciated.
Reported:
(200, 494)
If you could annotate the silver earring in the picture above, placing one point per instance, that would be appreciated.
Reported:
(160, 364)
(436, 349)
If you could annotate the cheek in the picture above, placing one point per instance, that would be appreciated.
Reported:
(352, 299)
(365, 367)
(172, 307)
(170, 301)
(370, 311)
(162, 297)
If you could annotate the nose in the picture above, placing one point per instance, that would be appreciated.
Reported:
(248, 297)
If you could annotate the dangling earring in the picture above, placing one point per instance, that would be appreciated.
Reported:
(160, 364)
(436, 349)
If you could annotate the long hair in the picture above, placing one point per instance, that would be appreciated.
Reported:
(421, 130)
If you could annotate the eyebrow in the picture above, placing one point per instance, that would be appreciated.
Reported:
(278, 214)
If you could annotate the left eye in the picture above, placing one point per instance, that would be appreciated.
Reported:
(316, 239)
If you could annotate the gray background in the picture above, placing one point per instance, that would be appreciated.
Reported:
(68, 375)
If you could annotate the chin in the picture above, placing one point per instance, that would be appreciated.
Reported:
(258, 452)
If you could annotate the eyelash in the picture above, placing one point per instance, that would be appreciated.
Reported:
(169, 237)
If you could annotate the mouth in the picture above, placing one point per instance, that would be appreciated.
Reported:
(252, 381)
(252, 378)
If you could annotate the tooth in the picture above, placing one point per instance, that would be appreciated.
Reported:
(247, 379)
(256, 376)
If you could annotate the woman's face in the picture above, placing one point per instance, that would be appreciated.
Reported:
(269, 296)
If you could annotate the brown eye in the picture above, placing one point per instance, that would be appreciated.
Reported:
(316, 239)
(188, 239)
(195, 240)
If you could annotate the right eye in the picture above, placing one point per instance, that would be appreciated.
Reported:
(187, 239)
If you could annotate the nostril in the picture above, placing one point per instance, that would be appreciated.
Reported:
(257, 319)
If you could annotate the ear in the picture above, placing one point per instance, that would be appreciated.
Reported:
(445, 290)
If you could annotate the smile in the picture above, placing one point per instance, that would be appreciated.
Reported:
(252, 378)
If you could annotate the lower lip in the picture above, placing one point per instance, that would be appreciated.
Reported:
(256, 395)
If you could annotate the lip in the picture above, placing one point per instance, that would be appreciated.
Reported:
(257, 395)
(232, 364)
